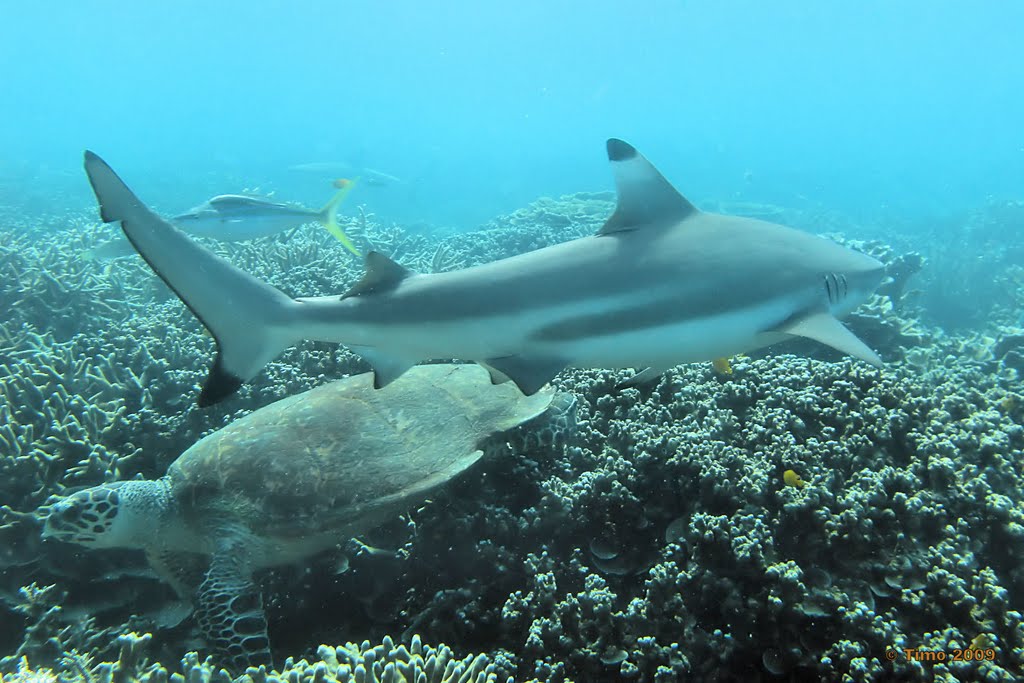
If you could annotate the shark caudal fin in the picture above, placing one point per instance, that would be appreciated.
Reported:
(329, 214)
(245, 316)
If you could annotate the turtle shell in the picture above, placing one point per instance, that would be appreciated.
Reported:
(344, 456)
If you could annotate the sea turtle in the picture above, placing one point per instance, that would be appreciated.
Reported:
(292, 479)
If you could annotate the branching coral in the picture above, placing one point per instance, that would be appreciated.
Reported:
(660, 542)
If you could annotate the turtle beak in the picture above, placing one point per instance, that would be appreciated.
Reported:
(61, 516)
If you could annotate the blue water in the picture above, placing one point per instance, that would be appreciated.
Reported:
(910, 107)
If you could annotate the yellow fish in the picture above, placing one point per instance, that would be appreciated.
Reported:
(722, 366)
(792, 479)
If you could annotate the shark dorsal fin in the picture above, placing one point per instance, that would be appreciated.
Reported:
(645, 197)
(382, 275)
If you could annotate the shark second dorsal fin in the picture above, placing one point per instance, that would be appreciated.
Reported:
(382, 275)
(645, 197)
(386, 367)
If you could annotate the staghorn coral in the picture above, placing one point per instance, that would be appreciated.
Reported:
(362, 663)
(387, 662)
(749, 559)
(660, 542)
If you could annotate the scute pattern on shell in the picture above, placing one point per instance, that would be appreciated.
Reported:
(345, 454)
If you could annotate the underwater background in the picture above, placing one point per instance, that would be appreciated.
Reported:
(662, 539)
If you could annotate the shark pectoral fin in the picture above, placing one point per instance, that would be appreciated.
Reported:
(529, 374)
(382, 275)
(386, 368)
(642, 377)
(824, 328)
(645, 197)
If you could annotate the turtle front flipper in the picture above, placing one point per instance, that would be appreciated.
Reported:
(184, 571)
(229, 610)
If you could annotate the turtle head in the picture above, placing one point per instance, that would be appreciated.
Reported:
(104, 516)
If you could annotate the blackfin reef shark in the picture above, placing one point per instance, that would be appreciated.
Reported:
(660, 284)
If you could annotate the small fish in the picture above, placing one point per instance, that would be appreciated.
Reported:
(118, 247)
(369, 176)
(379, 178)
(322, 167)
(722, 366)
(982, 641)
(233, 217)
(792, 479)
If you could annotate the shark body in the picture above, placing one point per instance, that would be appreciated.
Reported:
(662, 283)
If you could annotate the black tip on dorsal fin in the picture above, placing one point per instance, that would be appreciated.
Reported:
(619, 150)
(382, 274)
(645, 197)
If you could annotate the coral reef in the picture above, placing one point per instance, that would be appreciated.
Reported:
(364, 663)
(659, 541)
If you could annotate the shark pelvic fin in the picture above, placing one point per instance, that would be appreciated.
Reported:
(382, 275)
(824, 328)
(386, 368)
(646, 376)
(645, 197)
(529, 374)
(497, 377)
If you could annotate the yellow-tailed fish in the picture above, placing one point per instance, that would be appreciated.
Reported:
(234, 217)
(330, 211)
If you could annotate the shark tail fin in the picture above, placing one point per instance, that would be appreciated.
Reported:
(329, 214)
(246, 317)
